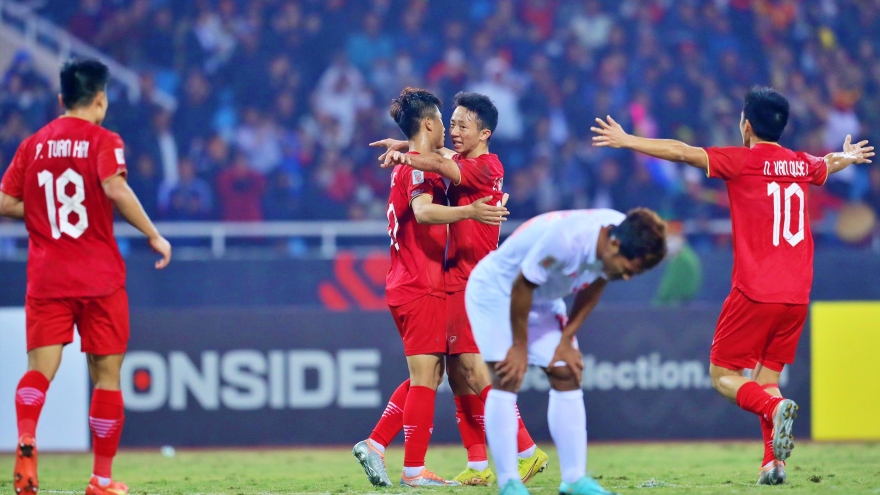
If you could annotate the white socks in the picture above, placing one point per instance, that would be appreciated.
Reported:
(525, 454)
(376, 445)
(409, 472)
(478, 465)
(567, 419)
(501, 429)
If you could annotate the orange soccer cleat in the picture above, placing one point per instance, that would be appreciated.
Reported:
(24, 476)
(114, 488)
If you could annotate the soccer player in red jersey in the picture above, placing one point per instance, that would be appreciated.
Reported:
(64, 182)
(473, 172)
(762, 318)
(415, 290)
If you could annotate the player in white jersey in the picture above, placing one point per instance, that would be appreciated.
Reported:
(513, 297)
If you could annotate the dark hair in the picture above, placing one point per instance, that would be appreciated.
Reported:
(481, 105)
(642, 235)
(81, 80)
(767, 110)
(411, 107)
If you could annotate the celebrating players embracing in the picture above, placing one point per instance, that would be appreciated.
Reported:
(472, 173)
(64, 182)
(415, 291)
(762, 319)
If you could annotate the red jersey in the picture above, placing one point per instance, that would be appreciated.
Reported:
(58, 173)
(469, 240)
(416, 249)
(768, 187)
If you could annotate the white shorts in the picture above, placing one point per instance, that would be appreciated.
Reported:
(489, 313)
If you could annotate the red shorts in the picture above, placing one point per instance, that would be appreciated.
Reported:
(422, 325)
(750, 333)
(102, 322)
(459, 336)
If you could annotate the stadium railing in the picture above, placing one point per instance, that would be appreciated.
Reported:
(328, 233)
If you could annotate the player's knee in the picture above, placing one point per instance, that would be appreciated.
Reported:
(562, 378)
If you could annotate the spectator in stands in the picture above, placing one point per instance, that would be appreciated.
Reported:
(370, 44)
(145, 180)
(194, 117)
(258, 138)
(190, 199)
(551, 66)
(240, 191)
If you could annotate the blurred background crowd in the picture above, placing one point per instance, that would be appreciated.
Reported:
(278, 99)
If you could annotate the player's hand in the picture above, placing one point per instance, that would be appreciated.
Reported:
(163, 247)
(859, 152)
(483, 212)
(393, 158)
(514, 367)
(390, 145)
(504, 199)
(609, 134)
(571, 356)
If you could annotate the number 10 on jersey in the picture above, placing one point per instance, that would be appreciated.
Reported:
(69, 204)
(794, 189)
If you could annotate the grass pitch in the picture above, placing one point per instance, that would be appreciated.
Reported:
(663, 468)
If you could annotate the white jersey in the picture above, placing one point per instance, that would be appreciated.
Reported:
(556, 251)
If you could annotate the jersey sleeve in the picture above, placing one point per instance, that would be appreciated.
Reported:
(418, 183)
(13, 180)
(817, 168)
(551, 252)
(111, 157)
(474, 174)
(726, 163)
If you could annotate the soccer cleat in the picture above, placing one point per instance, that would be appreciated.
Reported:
(783, 418)
(529, 467)
(24, 475)
(426, 478)
(514, 487)
(772, 474)
(114, 488)
(473, 477)
(373, 463)
(583, 486)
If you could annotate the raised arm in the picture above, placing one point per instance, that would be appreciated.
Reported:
(130, 208)
(851, 154)
(428, 212)
(611, 134)
(433, 162)
(11, 206)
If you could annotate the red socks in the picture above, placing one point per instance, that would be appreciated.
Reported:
(106, 418)
(391, 422)
(29, 399)
(767, 432)
(469, 416)
(418, 424)
(523, 439)
(754, 399)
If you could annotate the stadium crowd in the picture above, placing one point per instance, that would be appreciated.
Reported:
(278, 99)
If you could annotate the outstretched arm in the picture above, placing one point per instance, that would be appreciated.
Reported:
(611, 134)
(427, 212)
(400, 145)
(851, 154)
(429, 163)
